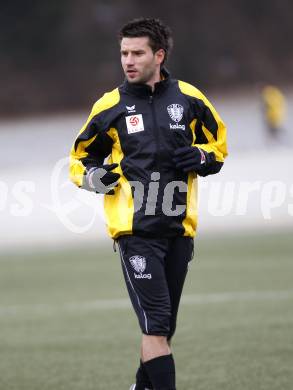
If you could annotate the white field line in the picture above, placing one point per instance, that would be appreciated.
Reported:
(113, 304)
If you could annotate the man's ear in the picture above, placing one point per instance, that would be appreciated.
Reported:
(160, 56)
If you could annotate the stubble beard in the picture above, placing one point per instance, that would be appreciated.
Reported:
(143, 78)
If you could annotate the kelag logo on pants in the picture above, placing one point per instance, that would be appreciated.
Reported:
(139, 265)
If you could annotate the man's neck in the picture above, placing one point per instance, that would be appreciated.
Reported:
(157, 78)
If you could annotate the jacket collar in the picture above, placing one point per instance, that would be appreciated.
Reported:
(144, 90)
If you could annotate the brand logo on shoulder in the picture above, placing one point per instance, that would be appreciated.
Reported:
(176, 114)
(130, 109)
(134, 123)
(139, 265)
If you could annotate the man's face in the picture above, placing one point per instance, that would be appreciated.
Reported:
(139, 63)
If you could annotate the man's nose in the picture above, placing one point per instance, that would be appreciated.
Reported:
(129, 60)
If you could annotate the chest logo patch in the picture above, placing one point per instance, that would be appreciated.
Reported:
(176, 114)
(134, 123)
(130, 109)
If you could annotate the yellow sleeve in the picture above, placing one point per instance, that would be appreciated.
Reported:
(212, 126)
(92, 144)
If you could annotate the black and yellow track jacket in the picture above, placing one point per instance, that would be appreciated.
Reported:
(136, 128)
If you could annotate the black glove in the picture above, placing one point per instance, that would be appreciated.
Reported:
(101, 179)
(192, 159)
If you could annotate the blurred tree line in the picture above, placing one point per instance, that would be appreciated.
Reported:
(62, 54)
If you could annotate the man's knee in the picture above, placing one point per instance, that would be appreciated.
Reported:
(154, 339)
(154, 346)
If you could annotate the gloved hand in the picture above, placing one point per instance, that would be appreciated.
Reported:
(191, 158)
(101, 179)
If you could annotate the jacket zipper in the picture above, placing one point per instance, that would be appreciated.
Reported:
(157, 156)
(156, 133)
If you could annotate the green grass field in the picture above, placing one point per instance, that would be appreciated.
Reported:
(66, 324)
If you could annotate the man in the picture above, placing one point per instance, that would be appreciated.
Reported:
(158, 134)
(274, 107)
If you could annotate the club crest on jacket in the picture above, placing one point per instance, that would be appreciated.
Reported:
(176, 112)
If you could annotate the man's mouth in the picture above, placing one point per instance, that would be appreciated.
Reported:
(131, 72)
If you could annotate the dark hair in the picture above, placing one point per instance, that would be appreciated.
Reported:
(160, 36)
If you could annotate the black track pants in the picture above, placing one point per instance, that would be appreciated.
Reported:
(155, 271)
